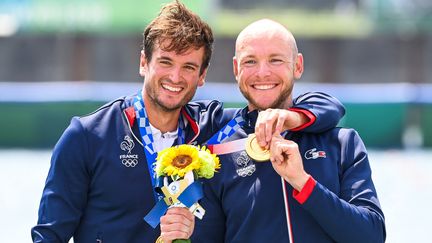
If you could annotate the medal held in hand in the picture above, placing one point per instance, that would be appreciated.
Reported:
(255, 151)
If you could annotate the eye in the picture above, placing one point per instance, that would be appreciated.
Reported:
(249, 62)
(165, 63)
(276, 61)
(190, 68)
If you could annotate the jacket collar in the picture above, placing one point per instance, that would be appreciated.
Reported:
(192, 129)
(250, 118)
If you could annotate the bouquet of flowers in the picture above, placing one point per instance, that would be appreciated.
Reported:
(178, 161)
(178, 169)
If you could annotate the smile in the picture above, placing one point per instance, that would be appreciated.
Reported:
(172, 89)
(263, 86)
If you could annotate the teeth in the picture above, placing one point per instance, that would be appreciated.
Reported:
(170, 88)
(264, 86)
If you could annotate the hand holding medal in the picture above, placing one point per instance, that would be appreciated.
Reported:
(255, 151)
(287, 162)
(274, 121)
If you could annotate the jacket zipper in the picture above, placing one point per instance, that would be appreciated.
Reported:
(99, 238)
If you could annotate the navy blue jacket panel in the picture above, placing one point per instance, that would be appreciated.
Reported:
(247, 201)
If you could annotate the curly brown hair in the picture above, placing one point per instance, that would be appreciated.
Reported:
(182, 29)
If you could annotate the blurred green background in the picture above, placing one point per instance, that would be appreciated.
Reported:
(57, 57)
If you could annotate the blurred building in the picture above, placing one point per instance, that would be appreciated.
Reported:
(343, 41)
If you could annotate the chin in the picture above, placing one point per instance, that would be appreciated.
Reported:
(265, 104)
(169, 106)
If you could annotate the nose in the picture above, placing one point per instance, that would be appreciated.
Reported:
(263, 70)
(175, 75)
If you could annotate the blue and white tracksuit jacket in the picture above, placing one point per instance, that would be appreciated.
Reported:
(247, 201)
(98, 187)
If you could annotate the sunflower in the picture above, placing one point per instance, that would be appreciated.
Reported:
(177, 161)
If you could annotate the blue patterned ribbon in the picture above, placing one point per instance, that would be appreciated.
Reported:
(228, 130)
(217, 143)
(188, 197)
(147, 138)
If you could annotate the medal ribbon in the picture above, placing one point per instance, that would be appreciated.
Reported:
(216, 143)
(228, 130)
(147, 138)
(228, 147)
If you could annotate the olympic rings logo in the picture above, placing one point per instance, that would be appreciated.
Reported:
(129, 162)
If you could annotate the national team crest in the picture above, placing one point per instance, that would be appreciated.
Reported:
(128, 160)
(245, 166)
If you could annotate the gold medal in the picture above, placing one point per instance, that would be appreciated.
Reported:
(159, 240)
(255, 151)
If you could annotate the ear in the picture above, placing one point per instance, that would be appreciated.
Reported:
(142, 64)
(235, 67)
(201, 80)
(299, 66)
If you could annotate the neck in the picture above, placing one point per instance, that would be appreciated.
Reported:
(163, 120)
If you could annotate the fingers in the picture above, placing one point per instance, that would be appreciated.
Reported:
(281, 149)
(260, 128)
(287, 162)
(177, 223)
(279, 125)
(269, 123)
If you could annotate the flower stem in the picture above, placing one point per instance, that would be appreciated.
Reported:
(182, 241)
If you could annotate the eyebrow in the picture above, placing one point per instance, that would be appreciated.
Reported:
(249, 56)
(271, 55)
(164, 58)
(170, 59)
(192, 64)
(279, 55)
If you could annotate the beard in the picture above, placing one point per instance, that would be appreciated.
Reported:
(155, 99)
(283, 101)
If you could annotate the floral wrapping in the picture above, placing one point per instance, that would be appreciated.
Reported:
(177, 170)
